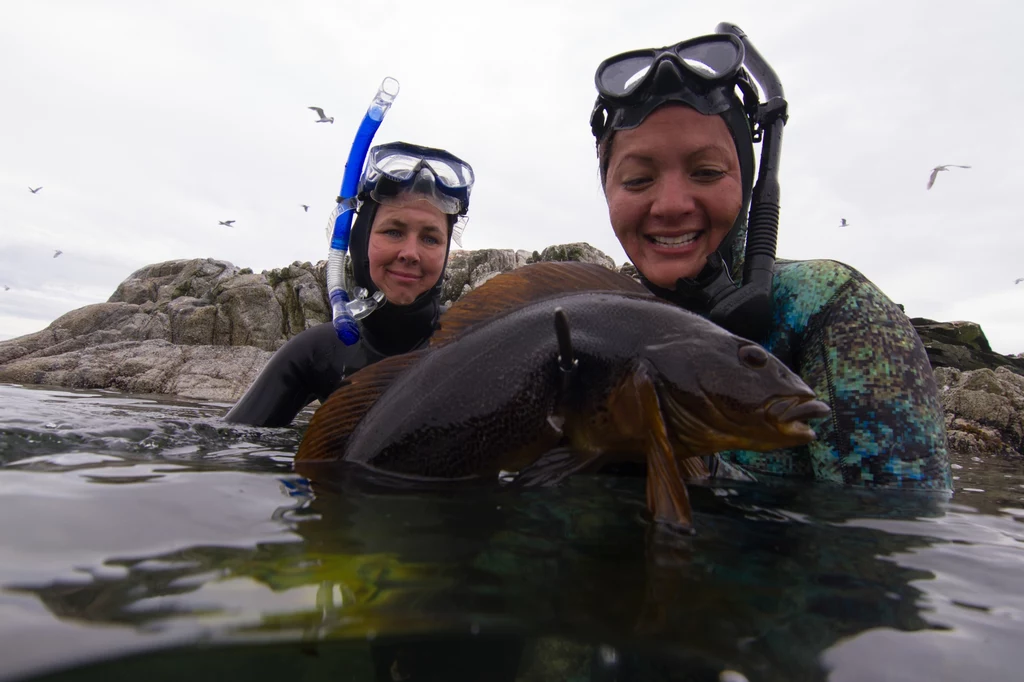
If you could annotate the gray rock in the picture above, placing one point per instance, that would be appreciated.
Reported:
(629, 270)
(984, 410)
(469, 269)
(961, 345)
(578, 251)
(154, 366)
(210, 316)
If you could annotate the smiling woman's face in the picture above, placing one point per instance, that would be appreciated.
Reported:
(408, 243)
(674, 190)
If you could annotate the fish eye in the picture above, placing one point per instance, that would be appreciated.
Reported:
(753, 356)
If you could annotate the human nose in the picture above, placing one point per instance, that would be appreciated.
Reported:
(408, 252)
(673, 198)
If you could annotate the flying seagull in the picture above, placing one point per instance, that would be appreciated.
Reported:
(34, 190)
(6, 288)
(1018, 280)
(229, 223)
(323, 119)
(304, 208)
(935, 172)
(843, 223)
(57, 252)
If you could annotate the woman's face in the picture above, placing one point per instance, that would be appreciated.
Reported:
(407, 247)
(674, 190)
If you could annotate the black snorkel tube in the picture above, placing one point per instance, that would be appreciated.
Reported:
(747, 310)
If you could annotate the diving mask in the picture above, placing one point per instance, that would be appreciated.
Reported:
(441, 178)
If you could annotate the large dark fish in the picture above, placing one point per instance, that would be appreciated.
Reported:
(553, 368)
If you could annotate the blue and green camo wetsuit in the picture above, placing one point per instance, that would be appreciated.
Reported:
(860, 354)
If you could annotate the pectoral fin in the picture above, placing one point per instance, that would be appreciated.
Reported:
(553, 467)
(635, 409)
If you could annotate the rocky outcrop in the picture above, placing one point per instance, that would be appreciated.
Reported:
(469, 269)
(200, 328)
(204, 328)
(219, 373)
(984, 410)
(962, 346)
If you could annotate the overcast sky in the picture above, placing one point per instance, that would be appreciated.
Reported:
(146, 123)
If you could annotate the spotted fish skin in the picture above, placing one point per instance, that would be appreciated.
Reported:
(861, 355)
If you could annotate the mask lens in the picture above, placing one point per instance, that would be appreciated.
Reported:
(621, 77)
(399, 166)
(710, 59)
(446, 173)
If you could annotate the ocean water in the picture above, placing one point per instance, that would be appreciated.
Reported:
(144, 538)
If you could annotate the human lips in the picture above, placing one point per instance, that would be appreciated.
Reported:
(675, 241)
(402, 276)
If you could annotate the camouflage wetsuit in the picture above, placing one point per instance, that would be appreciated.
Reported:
(859, 353)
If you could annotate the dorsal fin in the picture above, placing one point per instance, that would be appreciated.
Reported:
(528, 284)
(333, 422)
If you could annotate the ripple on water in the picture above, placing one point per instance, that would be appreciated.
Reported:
(135, 523)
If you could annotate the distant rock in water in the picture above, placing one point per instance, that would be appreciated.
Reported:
(984, 410)
(204, 328)
(962, 346)
(469, 269)
(199, 328)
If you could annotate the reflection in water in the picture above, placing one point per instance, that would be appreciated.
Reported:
(774, 578)
(210, 539)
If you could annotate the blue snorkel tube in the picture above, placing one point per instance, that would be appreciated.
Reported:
(344, 311)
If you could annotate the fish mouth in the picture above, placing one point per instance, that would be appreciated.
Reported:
(790, 414)
(705, 426)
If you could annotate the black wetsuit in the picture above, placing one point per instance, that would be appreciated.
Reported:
(314, 363)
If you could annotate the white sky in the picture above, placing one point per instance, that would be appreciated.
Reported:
(148, 122)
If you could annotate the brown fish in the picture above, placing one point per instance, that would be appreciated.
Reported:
(556, 367)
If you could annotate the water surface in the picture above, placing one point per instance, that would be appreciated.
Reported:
(145, 538)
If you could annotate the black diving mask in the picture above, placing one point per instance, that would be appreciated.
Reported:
(702, 73)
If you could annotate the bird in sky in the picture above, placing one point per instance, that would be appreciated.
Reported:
(57, 252)
(1018, 280)
(323, 119)
(6, 288)
(34, 190)
(304, 208)
(937, 169)
(229, 223)
(843, 223)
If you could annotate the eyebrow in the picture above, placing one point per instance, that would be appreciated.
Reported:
(398, 222)
(699, 151)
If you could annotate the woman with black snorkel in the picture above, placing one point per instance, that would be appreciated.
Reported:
(675, 131)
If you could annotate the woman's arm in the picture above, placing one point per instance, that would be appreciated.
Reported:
(298, 373)
(861, 354)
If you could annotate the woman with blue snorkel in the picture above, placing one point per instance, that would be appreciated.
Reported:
(675, 130)
(411, 201)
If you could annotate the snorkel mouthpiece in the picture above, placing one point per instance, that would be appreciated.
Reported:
(344, 311)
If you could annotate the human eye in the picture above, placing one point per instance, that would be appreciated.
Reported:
(708, 174)
(637, 182)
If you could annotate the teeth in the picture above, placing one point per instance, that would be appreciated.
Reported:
(674, 241)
